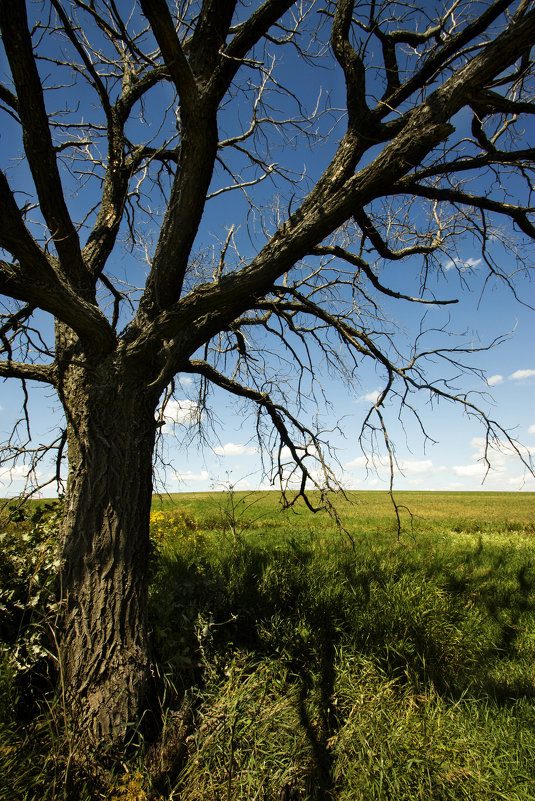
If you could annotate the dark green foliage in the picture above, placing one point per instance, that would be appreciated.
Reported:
(28, 605)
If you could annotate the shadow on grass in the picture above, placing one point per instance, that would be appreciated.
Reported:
(451, 628)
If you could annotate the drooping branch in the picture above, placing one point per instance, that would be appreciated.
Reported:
(277, 414)
(382, 248)
(361, 264)
(455, 196)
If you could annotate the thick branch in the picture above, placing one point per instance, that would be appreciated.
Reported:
(30, 372)
(9, 98)
(213, 307)
(38, 142)
(35, 281)
(210, 36)
(43, 289)
(157, 13)
(119, 170)
(352, 65)
(441, 56)
(467, 163)
(251, 31)
(489, 102)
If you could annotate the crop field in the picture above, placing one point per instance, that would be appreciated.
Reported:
(296, 658)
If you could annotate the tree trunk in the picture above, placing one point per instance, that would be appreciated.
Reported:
(104, 644)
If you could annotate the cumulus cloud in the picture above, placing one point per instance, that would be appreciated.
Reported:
(519, 375)
(291, 479)
(359, 461)
(419, 467)
(21, 474)
(371, 397)
(370, 482)
(522, 482)
(531, 430)
(17, 473)
(409, 467)
(231, 449)
(470, 470)
(462, 264)
(310, 452)
(500, 454)
(180, 412)
(188, 476)
(494, 380)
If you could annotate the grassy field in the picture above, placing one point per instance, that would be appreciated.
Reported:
(297, 662)
(363, 512)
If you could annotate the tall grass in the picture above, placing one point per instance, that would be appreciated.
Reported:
(293, 666)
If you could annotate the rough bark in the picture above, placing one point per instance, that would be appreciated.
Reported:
(104, 650)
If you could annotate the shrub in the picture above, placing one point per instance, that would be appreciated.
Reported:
(29, 561)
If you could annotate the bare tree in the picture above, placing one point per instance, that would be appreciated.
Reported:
(131, 121)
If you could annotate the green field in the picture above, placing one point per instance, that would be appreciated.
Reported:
(297, 659)
(362, 510)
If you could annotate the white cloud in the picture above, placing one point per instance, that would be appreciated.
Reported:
(309, 452)
(494, 380)
(367, 483)
(371, 397)
(231, 449)
(360, 461)
(501, 455)
(186, 381)
(462, 264)
(518, 375)
(471, 470)
(531, 430)
(522, 482)
(409, 467)
(17, 473)
(188, 476)
(499, 450)
(180, 412)
(415, 467)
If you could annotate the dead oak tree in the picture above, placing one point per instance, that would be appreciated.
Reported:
(132, 118)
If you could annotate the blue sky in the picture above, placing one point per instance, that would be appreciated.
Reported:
(229, 452)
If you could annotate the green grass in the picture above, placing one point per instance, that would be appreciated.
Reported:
(296, 665)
